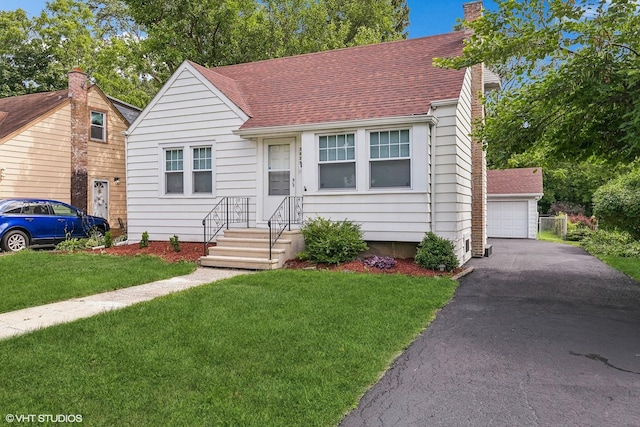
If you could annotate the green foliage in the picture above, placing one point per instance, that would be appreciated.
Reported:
(144, 242)
(617, 204)
(435, 251)
(570, 73)
(72, 244)
(175, 243)
(108, 239)
(611, 243)
(332, 242)
(231, 32)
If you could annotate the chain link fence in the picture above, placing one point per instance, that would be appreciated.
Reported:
(554, 224)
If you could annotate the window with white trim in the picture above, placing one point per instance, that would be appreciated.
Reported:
(337, 161)
(390, 158)
(98, 128)
(202, 171)
(174, 171)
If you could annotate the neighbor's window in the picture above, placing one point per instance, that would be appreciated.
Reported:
(98, 130)
(202, 182)
(390, 162)
(173, 171)
(337, 161)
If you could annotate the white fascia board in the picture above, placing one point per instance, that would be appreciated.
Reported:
(445, 102)
(326, 126)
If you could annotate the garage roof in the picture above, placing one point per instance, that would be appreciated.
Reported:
(515, 181)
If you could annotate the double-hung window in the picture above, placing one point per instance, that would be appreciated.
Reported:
(98, 128)
(202, 179)
(337, 161)
(389, 159)
(173, 171)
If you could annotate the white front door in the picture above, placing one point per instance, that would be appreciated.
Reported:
(100, 202)
(279, 173)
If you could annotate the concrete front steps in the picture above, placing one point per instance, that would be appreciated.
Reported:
(248, 249)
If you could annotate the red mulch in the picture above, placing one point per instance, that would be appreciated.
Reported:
(188, 251)
(191, 252)
(403, 266)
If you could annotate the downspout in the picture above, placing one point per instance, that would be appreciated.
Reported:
(432, 169)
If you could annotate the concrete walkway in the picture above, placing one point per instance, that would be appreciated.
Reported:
(30, 319)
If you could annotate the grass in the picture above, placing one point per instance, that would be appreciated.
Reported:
(628, 265)
(550, 236)
(31, 278)
(294, 348)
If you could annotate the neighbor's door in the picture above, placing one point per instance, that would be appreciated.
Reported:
(280, 177)
(101, 198)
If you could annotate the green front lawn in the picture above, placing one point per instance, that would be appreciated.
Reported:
(30, 278)
(281, 348)
(628, 265)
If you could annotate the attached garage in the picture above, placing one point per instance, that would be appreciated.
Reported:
(512, 202)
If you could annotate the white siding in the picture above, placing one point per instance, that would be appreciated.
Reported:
(392, 215)
(452, 217)
(188, 112)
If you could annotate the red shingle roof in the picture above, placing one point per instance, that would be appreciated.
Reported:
(390, 79)
(21, 110)
(515, 181)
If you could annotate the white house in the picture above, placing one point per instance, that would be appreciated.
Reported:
(374, 134)
(512, 202)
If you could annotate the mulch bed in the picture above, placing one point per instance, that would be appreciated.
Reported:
(191, 252)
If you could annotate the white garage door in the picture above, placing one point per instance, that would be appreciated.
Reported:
(507, 219)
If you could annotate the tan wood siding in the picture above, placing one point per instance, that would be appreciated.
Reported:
(37, 161)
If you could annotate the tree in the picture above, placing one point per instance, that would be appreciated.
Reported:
(571, 73)
(223, 32)
(97, 36)
(617, 203)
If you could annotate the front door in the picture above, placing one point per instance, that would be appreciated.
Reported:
(279, 179)
(101, 198)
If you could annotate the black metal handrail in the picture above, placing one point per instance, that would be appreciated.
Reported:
(288, 212)
(229, 210)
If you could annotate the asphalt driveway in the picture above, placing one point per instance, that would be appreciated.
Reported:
(540, 334)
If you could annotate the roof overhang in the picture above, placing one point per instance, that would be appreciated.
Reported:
(326, 126)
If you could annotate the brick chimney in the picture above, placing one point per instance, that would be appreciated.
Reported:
(78, 85)
(473, 11)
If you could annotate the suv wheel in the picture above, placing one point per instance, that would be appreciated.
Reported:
(14, 241)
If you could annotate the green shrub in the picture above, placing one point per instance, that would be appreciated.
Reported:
(108, 239)
(435, 251)
(332, 242)
(144, 243)
(611, 243)
(617, 203)
(175, 243)
(72, 244)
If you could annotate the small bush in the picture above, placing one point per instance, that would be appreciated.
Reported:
(332, 242)
(611, 243)
(144, 243)
(108, 239)
(72, 244)
(381, 262)
(175, 243)
(435, 251)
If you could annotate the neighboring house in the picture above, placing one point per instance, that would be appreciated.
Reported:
(374, 134)
(512, 202)
(67, 145)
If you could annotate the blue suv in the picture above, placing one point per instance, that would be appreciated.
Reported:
(37, 223)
